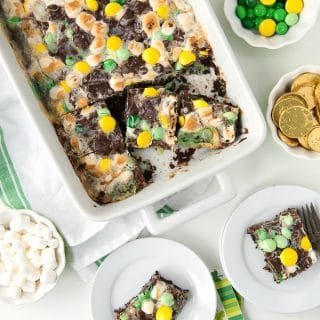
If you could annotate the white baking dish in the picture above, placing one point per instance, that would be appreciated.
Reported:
(204, 165)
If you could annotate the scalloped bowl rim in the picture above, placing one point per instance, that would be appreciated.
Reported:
(308, 18)
(41, 290)
(279, 89)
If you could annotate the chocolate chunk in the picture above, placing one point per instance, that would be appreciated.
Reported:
(220, 87)
(139, 6)
(64, 49)
(55, 12)
(82, 39)
(109, 144)
(127, 19)
(133, 64)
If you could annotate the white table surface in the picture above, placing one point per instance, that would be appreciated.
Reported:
(268, 166)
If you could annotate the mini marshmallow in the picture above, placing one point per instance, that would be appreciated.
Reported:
(11, 236)
(38, 228)
(36, 242)
(36, 261)
(5, 278)
(53, 243)
(46, 234)
(14, 292)
(29, 287)
(48, 277)
(19, 245)
(48, 257)
(4, 244)
(2, 231)
(19, 223)
(35, 276)
(18, 280)
(32, 253)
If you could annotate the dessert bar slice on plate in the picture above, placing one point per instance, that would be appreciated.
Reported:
(158, 299)
(285, 244)
(151, 115)
(205, 123)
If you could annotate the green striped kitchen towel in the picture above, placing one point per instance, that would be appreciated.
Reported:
(12, 195)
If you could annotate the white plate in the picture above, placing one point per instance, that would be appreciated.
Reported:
(125, 271)
(243, 263)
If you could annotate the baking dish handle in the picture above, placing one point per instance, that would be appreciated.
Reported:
(157, 226)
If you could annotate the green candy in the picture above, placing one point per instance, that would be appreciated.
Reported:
(262, 234)
(178, 66)
(281, 241)
(167, 299)
(287, 220)
(241, 12)
(50, 40)
(65, 107)
(260, 10)
(158, 133)
(206, 135)
(131, 164)
(269, 14)
(123, 54)
(279, 5)
(248, 23)
(124, 316)
(242, 3)
(279, 15)
(286, 233)
(291, 19)
(268, 245)
(122, 2)
(250, 14)
(70, 60)
(133, 121)
(14, 20)
(79, 128)
(282, 28)
(137, 304)
(109, 65)
(230, 116)
(69, 33)
(103, 112)
(144, 125)
(257, 22)
(251, 3)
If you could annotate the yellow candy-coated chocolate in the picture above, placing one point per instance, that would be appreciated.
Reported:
(65, 86)
(267, 28)
(105, 164)
(268, 2)
(163, 11)
(204, 53)
(112, 9)
(164, 120)
(40, 48)
(164, 313)
(114, 43)
(305, 243)
(151, 92)
(294, 6)
(200, 103)
(107, 124)
(289, 257)
(92, 5)
(82, 67)
(151, 55)
(182, 120)
(187, 57)
(144, 139)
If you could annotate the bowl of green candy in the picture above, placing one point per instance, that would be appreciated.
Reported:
(271, 24)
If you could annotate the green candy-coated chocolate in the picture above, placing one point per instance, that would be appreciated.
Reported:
(281, 241)
(268, 245)
(14, 20)
(144, 125)
(79, 128)
(167, 299)
(131, 164)
(257, 22)
(242, 3)
(260, 10)
(133, 121)
(262, 234)
(282, 28)
(248, 23)
(124, 316)
(158, 133)
(122, 2)
(69, 33)
(291, 19)
(50, 40)
(241, 12)
(250, 13)
(279, 15)
(123, 54)
(269, 14)
(109, 65)
(230, 116)
(287, 220)
(103, 112)
(65, 107)
(70, 60)
(279, 5)
(206, 135)
(251, 3)
(286, 233)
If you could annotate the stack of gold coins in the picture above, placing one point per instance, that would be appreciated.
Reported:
(297, 113)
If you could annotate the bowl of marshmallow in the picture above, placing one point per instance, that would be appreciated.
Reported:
(32, 256)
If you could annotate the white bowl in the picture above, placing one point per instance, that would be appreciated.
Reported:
(308, 17)
(6, 215)
(280, 88)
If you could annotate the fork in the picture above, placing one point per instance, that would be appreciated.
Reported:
(311, 222)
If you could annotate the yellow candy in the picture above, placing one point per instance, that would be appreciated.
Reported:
(163, 11)
(305, 244)
(25, 6)
(82, 67)
(114, 43)
(182, 121)
(112, 9)
(151, 55)
(164, 120)
(294, 6)
(164, 313)
(40, 47)
(267, 28)
(289, 257)
(92, 5)
(144, 139)
(268, 2)
(151, 92)
(187, 57)
(200, 103)
(204, 53)
(65, 86)
(107, 124)
(105, 164)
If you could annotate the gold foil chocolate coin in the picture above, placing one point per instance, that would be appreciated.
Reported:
(314, 139)
(305, 79)
(288, 141)
(296, 122)
(308, 94)
(304, 142)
